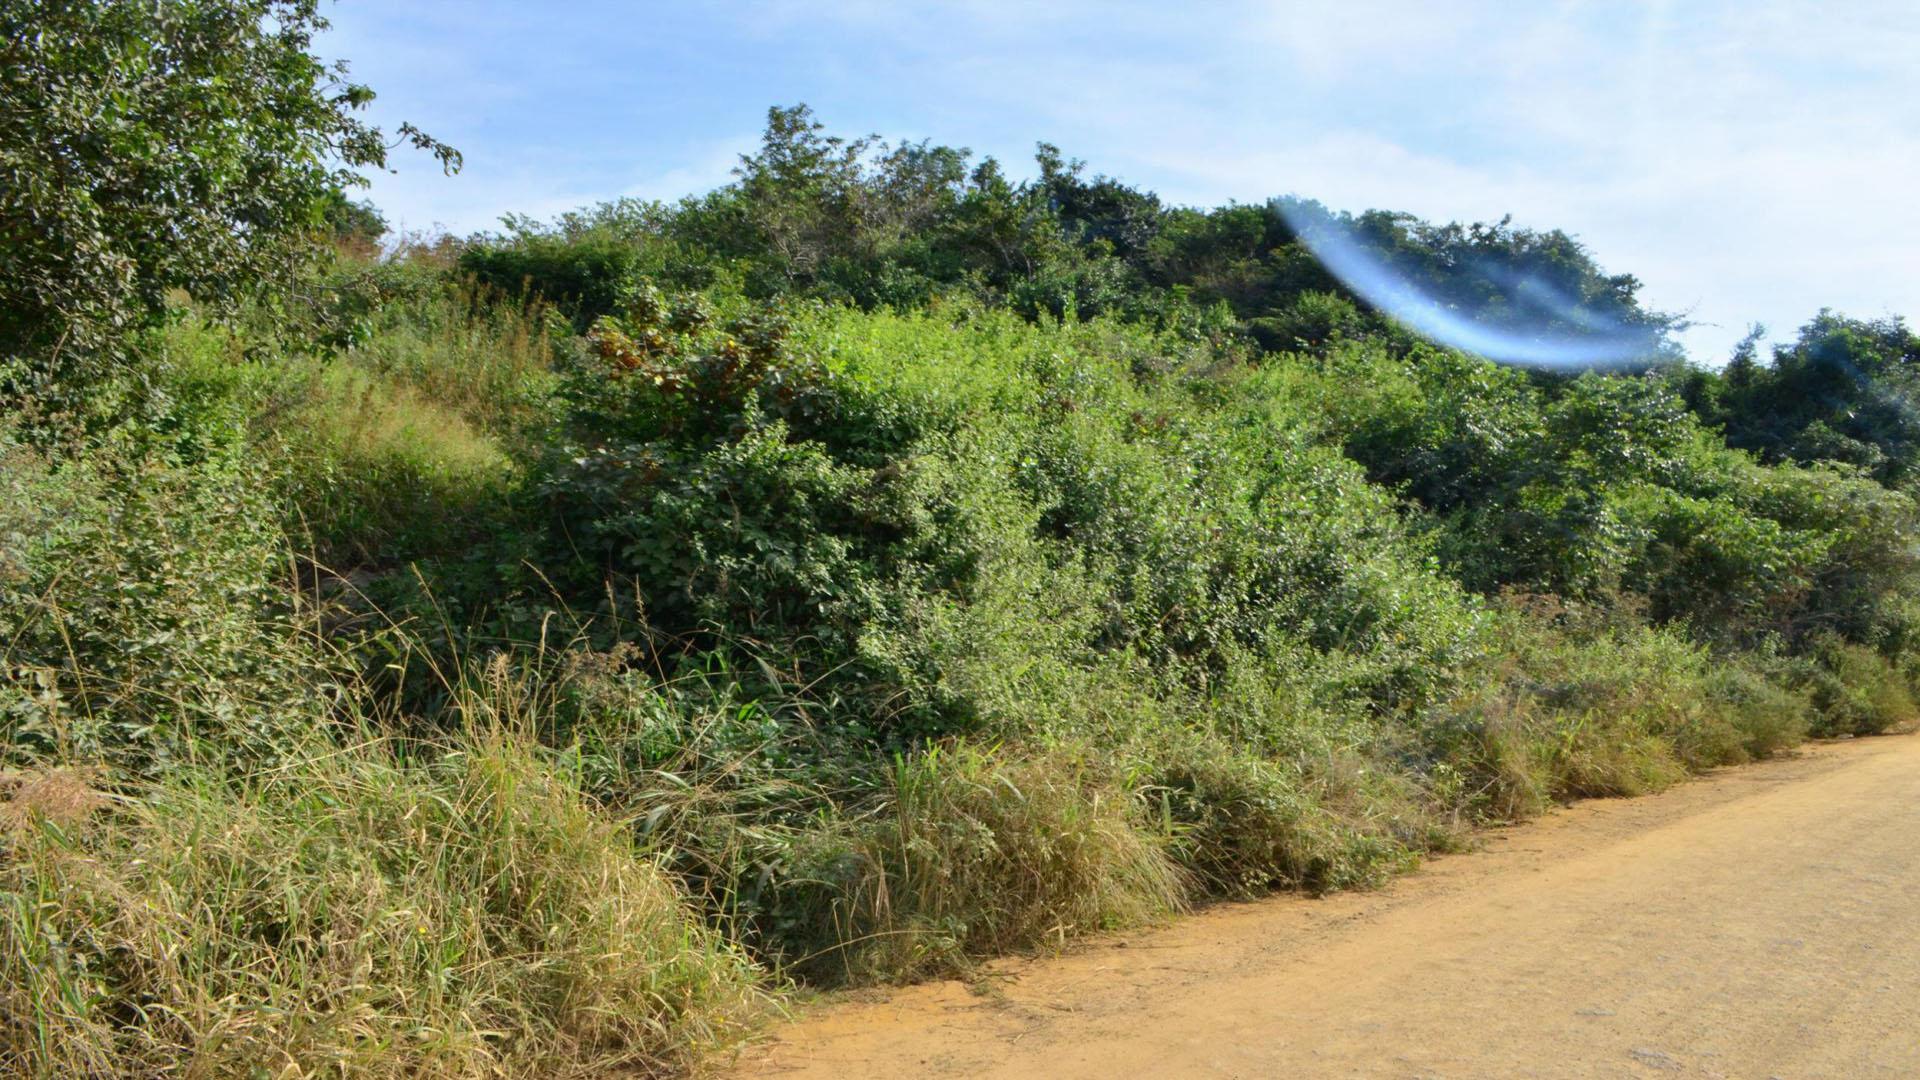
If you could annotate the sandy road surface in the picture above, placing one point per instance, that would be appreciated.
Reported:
(1761, 923)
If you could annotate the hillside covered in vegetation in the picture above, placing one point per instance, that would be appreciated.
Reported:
(535, 652)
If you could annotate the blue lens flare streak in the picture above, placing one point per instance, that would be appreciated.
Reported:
(1601, 342)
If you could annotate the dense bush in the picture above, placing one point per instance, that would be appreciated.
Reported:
(1600, 484)
(826, 493)
(146, 613)
(586, 279)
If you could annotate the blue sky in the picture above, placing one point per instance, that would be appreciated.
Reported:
(1749, 161)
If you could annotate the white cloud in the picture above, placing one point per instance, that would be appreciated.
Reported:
(699, 171)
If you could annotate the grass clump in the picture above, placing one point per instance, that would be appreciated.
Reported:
(375, 467)
(1244, 825)
(350, 915)
(405, 444)
(975, 851)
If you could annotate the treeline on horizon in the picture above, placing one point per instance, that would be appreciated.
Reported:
(538, 652)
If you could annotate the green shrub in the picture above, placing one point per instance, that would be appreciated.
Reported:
(1768, 715)
(585, 278)
(1313, 322)
(146, 613)
(1855, 690)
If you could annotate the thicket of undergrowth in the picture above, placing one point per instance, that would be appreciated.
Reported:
(528, 657)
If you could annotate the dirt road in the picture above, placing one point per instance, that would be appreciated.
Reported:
(1764, 922)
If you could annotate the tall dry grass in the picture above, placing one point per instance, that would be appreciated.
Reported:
(353, 915)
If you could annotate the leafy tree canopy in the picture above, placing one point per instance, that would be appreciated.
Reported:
(1844, 390)
(195, 145)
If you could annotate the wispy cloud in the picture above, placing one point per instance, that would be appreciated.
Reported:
(696, 172)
